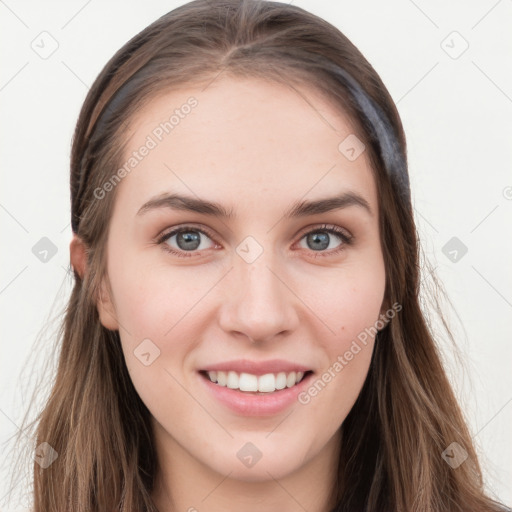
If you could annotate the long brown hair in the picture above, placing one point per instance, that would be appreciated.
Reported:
(406, 414)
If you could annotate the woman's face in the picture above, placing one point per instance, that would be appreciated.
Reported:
(255, 286)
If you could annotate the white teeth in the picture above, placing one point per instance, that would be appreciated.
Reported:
(248, 382)
(281, 380)
(266, 383)
(232, 380)
(222, 378)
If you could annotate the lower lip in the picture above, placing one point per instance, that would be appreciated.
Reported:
(261, 404)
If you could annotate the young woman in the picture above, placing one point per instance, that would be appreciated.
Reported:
(244, 331)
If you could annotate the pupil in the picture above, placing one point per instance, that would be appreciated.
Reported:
(188, 240)
(319, 241)
(191, 240)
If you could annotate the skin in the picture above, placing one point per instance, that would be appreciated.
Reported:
(255, 147)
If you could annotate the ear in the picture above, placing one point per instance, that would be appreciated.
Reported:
(78, 256)
(106, 310)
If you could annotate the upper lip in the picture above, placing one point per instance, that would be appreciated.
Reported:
(257, 367)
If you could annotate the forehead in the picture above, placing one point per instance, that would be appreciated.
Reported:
(240, 138)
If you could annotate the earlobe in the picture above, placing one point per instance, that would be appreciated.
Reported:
(78, 255)
(106, 309)
(78, 258)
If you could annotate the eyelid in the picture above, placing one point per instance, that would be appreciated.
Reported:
(166, 234)
(342, 233)
(325, 227)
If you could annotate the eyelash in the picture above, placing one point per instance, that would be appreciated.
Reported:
(326, 228)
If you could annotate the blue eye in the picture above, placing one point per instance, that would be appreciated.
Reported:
(189, 240)
(319, 239)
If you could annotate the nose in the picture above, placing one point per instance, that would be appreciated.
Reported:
(259, 303)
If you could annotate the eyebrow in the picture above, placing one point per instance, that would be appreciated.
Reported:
(298, 208)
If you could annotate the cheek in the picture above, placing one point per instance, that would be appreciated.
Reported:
(350, 307)
(349, 301)
(156, 308)
(151, 299)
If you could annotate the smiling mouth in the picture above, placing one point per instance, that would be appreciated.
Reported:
(255, 384)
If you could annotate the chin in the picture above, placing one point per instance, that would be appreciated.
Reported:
(259, 461)
(260, 472)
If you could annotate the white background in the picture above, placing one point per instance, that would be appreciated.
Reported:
(457, 116)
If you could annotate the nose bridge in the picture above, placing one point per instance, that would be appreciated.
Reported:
(260, 306)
